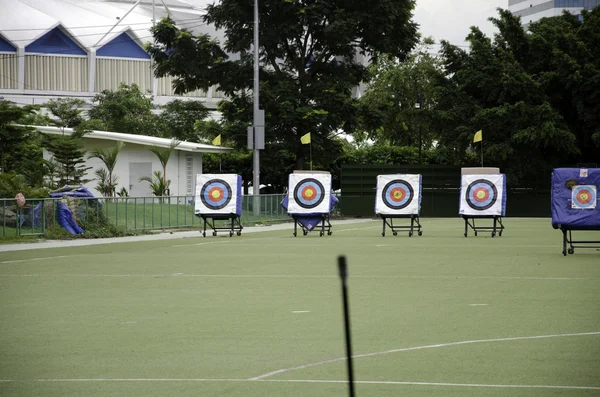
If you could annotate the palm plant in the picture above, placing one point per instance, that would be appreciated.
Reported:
(106, 183)
(163, 155)
(158, 184)
(108, 156)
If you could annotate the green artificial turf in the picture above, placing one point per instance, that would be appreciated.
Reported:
(201, 316)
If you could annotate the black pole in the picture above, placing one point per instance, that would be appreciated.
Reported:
(420, 124)
(344, 275)
(420, 142)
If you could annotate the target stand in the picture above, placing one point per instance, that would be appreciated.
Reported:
(233, 227)
(399, 197)
(496, 228)
(414, 227)
(569, 244)
(310, 201)
(575, 205)
(310, 223)
(483, 197)
(219, 203)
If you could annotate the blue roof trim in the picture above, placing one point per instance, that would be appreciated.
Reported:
(122, 46)
(6, 46)
(55, 42)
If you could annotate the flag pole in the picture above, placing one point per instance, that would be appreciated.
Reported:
(310, 150)
(220, 157)
(482, 153)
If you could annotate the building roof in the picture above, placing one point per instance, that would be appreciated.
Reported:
(92, 24)
(139, 140)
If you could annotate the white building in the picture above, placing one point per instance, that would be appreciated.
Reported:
(136, 161)
(534, 10)
(77, 48)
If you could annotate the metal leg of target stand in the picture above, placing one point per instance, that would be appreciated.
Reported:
(383, 231)
(466, 227)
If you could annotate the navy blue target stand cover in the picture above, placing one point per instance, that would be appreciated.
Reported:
(310, 201)
(483, 196)
(219, 198)
(399, 196)
(575, 204)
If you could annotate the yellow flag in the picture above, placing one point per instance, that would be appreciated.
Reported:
(478, 136)
(217, 141)
(305, 139)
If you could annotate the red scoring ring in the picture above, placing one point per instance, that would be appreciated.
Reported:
(218, 190)
(305, 195)
(401, 196)
(485, 197)
(581, 200)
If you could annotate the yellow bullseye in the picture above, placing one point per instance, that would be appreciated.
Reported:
(309, 193)
(216, 194)
(584, 196)
(398, 195)
(480, 194)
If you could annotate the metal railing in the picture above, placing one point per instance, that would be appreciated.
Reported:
(128, 213)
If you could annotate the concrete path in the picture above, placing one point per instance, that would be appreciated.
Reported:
(169, 235)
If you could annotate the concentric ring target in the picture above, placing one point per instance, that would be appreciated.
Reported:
(584, 197)
(397, 194)
(481, 195)
(309, 193)
(215, 194)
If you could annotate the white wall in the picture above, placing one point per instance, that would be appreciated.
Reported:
(131, 153)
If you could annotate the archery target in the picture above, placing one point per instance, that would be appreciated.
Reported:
(216, 193)
(398, 194)
(483, 195)
(309, 193)
(584, 197)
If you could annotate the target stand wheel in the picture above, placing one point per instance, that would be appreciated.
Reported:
(395, 233)
(329, 233)
(304, 232)
(571, 251)
(214, 233)
(231, 233)
(420, 233)
(239, 233)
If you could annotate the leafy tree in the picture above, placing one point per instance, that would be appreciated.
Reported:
(398, 102)
(310, 64)
(17, 144)
(179, 117)
(109, 157)
(491, 88)
(125, 110)
(67, 150)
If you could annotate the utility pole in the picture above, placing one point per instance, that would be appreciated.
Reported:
(256, 133)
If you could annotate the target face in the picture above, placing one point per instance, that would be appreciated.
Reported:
(309, 193)
(481, 195)
(584, 197)
(397, 194)
(215, 194)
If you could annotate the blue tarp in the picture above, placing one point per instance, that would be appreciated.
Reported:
(563, 213)
(310, 221)
(64, 216)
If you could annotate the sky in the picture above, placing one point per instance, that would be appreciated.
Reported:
(451, 20)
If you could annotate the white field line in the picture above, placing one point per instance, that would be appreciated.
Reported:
(366, 382)
(303, 276)
(466, 342)
(38, 259)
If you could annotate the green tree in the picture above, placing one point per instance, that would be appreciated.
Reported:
(310, 64)
(125, 110)
(17, 144)
(397, 104)
(179, 117)
(67, 149)
(109, 157)
(158, 183)
(492, 88)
